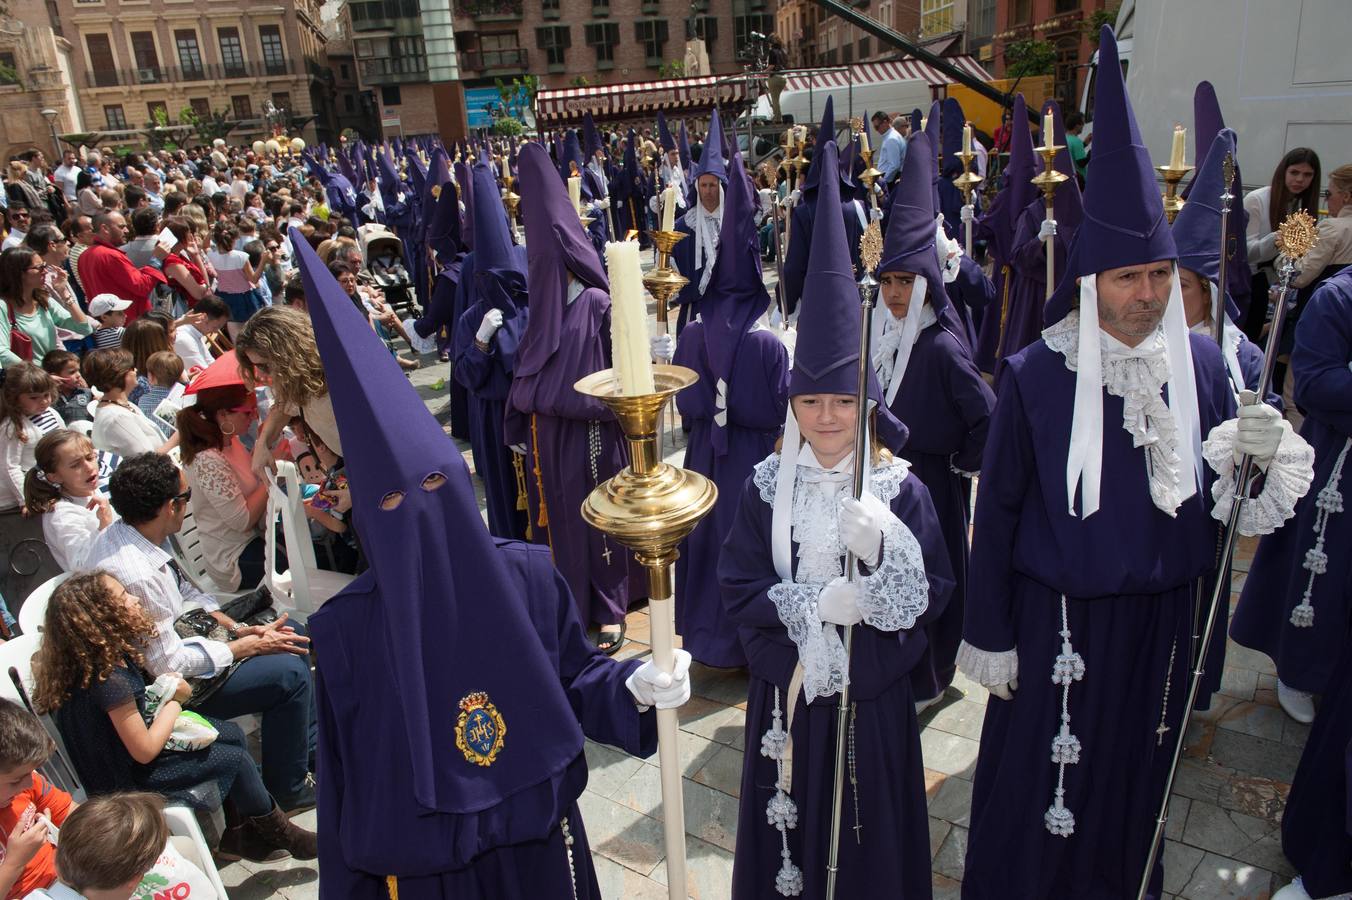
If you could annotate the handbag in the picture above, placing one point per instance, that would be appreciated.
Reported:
(20, 344)
(254, 608)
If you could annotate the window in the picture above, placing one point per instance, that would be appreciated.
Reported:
(201, 106)
(549, 6)
(652, 34)
(885, 13)
(242, 106)
(147, 59)
(343, 72)
(117, 121)
(348, 104)
(500, 50)
(389, 95)
(274, 58)
(936, 16)
(742, 26)
(863, 48)
(1065, 6)
(158, 107)
(847, 53)
(189, 54)
(600, 7)
(232, 52)
(282, 101)
(1067, 70)
(981, 18)
(1020, 11)
(705, 27)
(603, 37)
(102, 67)
(554, 40)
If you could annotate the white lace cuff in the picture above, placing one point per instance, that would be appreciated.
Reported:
(988, 668)
(953, 467)
(1288, 478)
(897, 593)
(820, 651)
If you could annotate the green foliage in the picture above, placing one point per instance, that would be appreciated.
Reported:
(1097, 19)
(673, 69)
(159, 117)
(507, 126)
(207, 128)
(9, 74)
(1029, 59)
(580, 81)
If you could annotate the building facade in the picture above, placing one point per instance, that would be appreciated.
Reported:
(1064, 24)
(35, 75)
(142, 61)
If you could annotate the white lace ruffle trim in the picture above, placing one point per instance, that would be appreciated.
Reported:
(988, 668)
(1288, 477)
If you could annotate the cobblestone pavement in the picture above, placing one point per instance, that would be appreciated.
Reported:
(1224, 837)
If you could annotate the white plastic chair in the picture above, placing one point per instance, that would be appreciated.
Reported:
(305, 584)
(83, 426)
(192, 558)
(34, 607)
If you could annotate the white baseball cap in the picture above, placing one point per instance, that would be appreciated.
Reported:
(106, 303)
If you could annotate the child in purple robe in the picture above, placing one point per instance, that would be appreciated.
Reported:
(785, 586)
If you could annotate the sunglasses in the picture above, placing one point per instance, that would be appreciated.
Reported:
(183, 497)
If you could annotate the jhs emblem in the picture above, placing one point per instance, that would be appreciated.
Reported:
(480, 730)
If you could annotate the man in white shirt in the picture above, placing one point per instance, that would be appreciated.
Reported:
(19, 223)
(210, 186)
(893, 151)
(67, 174)
(154, 186)
(190, 340)
(262, 667)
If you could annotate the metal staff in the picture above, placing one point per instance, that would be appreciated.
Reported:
(1298, 235)
(775, 209)
(870, 247)
(1047, 181)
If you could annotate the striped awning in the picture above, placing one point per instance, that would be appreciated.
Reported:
(882, 72)
(620, 101)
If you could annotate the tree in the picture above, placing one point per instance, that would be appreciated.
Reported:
(673, 69)
(580, 81)
(1029, 59)
(1097, 19)
(209, 127)
(508, 126)
(9, 75)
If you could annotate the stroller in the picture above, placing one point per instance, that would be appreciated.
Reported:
(384, 255)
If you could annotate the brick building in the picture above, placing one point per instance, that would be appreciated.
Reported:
(35, 66)
(133, 58)
(1062, 23)
(813, 37)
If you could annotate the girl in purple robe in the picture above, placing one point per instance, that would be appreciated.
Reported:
(570, 442)
(930, 383)
(735, 412)
(786, 589)
(702, 225)
(1297, 603)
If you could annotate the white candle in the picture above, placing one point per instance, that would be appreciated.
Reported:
(575, 192)
(1048, 129)
(863, 138)
(967, 139)
(506, 169)
(628, 320)
(669, 208)
(1180, 142)
(924, 122)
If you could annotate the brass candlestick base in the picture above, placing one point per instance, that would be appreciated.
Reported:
(664, 282)
(1172, 202)
(968, 180)
(650, 507)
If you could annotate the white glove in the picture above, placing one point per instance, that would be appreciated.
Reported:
(860, 531)
(876, 214)
(603, 203)
(968, 213)
(1048, 229)
(663, 347)
(1006, 691)
(838, 603)
(653, 687)
(518, 449)
(492, 321)
(794, 196)
(652, 203)
(1258, 431)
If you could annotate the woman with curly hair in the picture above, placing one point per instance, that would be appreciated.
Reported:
(89, 676)
(277, 348)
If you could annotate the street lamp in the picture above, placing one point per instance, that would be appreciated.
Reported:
(50, 115)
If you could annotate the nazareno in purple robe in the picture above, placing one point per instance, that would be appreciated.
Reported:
(892, 859)
(370, 832)
(1283, 572)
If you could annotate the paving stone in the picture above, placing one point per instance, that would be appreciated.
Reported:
(693, 751)
(621, 833)
(970, 689)
(1219, 878)
(953, 802)
(619, 883)
(607, 768)
(726, 686)
(946, 888)
(963, 718)
(1178, 817)
(1222, 831)
(715, 721)
(1180, 861)
(1294, 734)
(1254, 719)
(723, 772)
(938, 831)
(1255, 755)
(948, 753)
(952, 856)
(1239, 682)
(1244, 658)
(709, 814)
(1261, 798)
(1266, 853)
(708, 871)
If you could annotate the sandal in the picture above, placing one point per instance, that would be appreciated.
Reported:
(610, 641)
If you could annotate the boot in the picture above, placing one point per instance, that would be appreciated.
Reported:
(276, 830)
(244, 842)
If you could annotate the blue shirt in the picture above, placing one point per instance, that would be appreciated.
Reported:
(892, 155)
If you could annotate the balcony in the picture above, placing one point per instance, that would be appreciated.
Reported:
(400, 70)
(490, 10)
(494, 60)
(190, 74)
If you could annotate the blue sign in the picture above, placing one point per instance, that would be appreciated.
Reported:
(482, 103)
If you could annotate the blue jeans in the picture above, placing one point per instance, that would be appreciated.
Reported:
(278, 688)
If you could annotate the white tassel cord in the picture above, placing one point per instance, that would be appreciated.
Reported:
(1329, 501)
(1069, 667)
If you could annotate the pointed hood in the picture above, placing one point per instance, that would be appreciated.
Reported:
(917, 120)
(593, 136)
(417, 172)
(499, 269)
(664, 133)
(1017, 189)
(934, 132)
(1197, 229)
(432, 565)
(825, 132)
(950, 126)
(443, 226)
(683, 147)
(736, 296)
(1207, 119)
(711, 160)
(909, 245)
(438, 173)
(572, 156)
(558, 248)
(465, 182)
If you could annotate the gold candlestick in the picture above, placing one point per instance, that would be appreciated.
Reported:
(664, 282)
(1048, 181)
(967, 182)
(1172, 176)
(650, 507)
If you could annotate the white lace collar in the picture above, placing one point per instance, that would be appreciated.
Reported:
(1137, 375)
(893, 353)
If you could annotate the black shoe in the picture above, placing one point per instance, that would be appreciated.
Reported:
(300, 802)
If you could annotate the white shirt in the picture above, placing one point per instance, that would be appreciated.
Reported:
(191, 346)
(16, 237)
(17, 456)
(220, 483)
(70, 530)
(124, 431)
(67, 176)
(210, 186)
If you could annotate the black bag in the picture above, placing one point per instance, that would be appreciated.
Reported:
(254, 608)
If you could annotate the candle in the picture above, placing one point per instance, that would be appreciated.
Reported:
(1048, 129)
(506, 169)
(628, 320)
(1180, 141)
(967, 139)
(924, 121)
(863, 138)
(575, 192)
(669, 208)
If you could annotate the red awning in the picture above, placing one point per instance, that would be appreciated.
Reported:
(639, 99)
(881, 72)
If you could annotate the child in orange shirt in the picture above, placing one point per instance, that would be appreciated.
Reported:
(27, 858)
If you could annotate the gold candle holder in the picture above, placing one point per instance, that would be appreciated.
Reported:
(650, 506)
(968, 180)
(1047, 181)
(1172, 176)
(664, 282)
